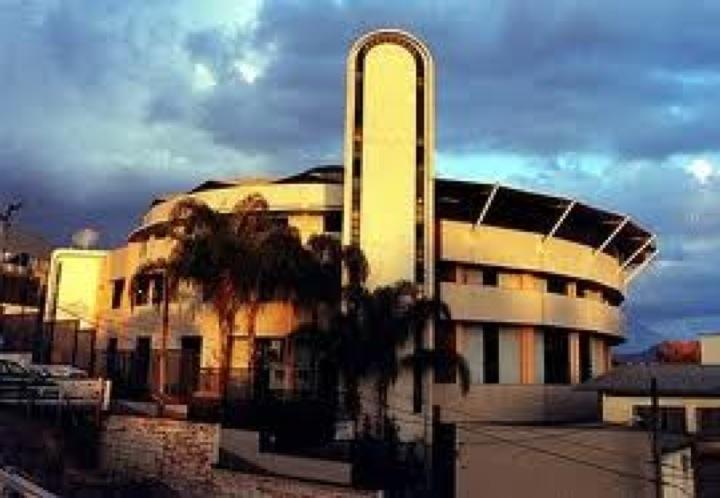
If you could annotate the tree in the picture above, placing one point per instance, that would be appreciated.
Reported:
(159, 269)
(238, 261)
(369, 338)
(390, 320)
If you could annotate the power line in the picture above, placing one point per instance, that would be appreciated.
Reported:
(552, 453)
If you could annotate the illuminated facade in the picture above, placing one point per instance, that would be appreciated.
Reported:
(535, 282)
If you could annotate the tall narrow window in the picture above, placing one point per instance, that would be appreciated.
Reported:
(118, 287)
(557, 357)
(491, 353)
(158, 289)
(332, 221)
(585, 358)
(445, 341)
(141, 295)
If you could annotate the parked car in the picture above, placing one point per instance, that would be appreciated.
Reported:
(19, 385)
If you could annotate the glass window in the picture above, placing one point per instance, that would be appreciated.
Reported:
(708, 421)
(490, 277)
(445, 341)
(158, 286)
(585, 358)
(557, 357)
(557, 285)
(446, 271)
(142, 290)
(672, 418)
(491, 353)
(118, 287)
(473, 351)
(333, 221)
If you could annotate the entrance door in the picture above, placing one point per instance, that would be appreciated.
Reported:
(191, 346)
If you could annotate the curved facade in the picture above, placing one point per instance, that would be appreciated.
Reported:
(534, 282)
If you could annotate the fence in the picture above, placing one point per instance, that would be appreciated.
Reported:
(19, 332)
(63, 342)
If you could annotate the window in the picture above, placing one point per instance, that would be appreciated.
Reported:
(612, 297)
(585, 358)
(557, 285)
(158, 286)
(582, 290)
(708, 421)
(142, 290)
(446, 271)
(491, 354)
(445, 341)
(118, 287)
(557, 357)
(672, 418)
(333, 221)
(490, 277)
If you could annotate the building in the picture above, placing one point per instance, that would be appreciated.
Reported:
(709, 345)
(535, 282)
(24, 263)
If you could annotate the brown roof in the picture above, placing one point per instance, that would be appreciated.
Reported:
(672, 380)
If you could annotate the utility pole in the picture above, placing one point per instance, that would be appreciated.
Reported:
(655, 437)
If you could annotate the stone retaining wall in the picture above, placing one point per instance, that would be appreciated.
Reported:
(183, 454)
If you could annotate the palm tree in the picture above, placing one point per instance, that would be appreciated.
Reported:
(390, 318)
(368, 339)
(238, 261)
(158, 268)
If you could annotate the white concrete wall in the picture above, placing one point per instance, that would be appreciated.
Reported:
(710, 349)
(74, 286)
(619, 409)
(503, 305)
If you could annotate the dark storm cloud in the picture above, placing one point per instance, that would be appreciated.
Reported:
(527, 77)
(677, 294)
(106, 103)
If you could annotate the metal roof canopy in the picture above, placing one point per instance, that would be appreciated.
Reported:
(548, 215)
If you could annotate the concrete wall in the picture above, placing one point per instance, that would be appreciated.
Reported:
(183, 454)
(502, 247)
(515, 403)
(619, 409)
(495, 304)
(281, 197)
(73, 286)
(246, 445)
(593, 462)
(710, 349)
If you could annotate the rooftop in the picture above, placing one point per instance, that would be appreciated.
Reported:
(672, 380)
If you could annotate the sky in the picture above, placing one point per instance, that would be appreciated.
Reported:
(105, 104)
